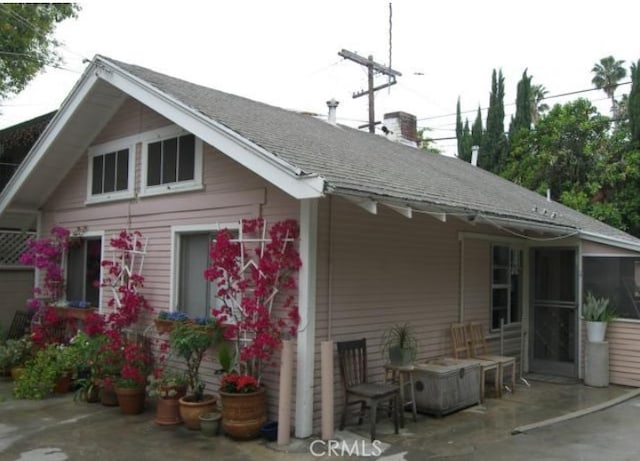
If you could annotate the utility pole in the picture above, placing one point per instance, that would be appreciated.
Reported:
(372, 67)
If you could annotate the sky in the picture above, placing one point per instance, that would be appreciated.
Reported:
(285, 52)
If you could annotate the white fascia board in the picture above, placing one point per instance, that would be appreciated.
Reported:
(611, 241)
(248, 154)
(50, 133)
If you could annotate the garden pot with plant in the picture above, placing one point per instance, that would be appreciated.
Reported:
(167, 388)
(255, 276)
(14, 353)
(597, 314)
(130, 386)
(400, 343)
(189, 340)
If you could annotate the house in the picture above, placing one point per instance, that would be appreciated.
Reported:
(16, 281)
(388, 232)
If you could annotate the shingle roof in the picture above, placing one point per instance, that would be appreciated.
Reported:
(355, 162)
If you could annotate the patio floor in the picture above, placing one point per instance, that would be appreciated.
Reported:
(73, 430)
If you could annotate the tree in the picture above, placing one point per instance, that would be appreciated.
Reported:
(494, 144)
(476, 130)
(633, 105)
(425, 143)
(538, 94)
(459, 129)
(522, 118)
(608, 72)
(26, 41)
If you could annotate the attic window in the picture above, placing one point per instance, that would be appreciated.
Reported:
(171, 161)
(110, 171)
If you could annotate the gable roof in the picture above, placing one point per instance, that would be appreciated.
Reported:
(308, 157)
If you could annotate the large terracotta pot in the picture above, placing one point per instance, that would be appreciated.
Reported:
(63, 384)
(131, 400)
(108, 396)
(244, 414)
(190, 411)
(168, 412)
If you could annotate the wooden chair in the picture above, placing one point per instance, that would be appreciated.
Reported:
(352, 359)
(20, 325)
(479, 350)
(462, 349)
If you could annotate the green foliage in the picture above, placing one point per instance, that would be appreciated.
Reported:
(476, 130)
(522, 118)
(597, 309)
(633, 105)
(15, 352)
(27, 42)
(41, 373)
(493, 150)
(190, 341)
(607, 73)
(401, 336)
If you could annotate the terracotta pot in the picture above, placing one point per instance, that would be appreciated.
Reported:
(63, 385)
(244, 414)
(190, 411)
(131, 400)
(108, 397)
(168, 412)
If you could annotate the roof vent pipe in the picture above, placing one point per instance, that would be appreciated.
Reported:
(332, 105)
(474, 155)
(548, 195)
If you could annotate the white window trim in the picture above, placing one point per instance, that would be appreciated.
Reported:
(161, 134)
(511, 247)
(176, 232)
(102, 149)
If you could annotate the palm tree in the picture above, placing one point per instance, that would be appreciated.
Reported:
(537, 94)
(607, 75)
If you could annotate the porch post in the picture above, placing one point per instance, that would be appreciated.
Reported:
(307, 308)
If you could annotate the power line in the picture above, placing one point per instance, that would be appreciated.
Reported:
(570, 93)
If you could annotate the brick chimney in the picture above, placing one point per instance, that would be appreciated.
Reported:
(401, 127)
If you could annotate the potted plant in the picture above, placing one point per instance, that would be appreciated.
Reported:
(597, 313)
(189, 340)
(43, 372)
(14, 353)
(400, 343)
(165, 320)
(255, 276)
(167, 387)
(130, 385)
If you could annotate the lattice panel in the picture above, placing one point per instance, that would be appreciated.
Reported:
(12, 245)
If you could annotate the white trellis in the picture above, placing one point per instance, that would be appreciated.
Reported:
(131, 262)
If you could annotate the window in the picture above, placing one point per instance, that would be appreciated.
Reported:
(172, 161)
(506, 285)
(83, 270)
(111, 171)
(195, 296)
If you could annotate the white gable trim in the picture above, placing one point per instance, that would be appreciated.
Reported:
(48, 136)
(248, 154)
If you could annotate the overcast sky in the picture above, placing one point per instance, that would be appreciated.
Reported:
(285, 52)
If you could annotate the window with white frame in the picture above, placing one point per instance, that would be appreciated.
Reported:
(111, 172)
(172, 161)
(84, 257)
(194, 296)
(506, 285)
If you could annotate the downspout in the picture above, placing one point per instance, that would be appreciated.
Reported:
(461, 278)
(307, 310)
(579, 312)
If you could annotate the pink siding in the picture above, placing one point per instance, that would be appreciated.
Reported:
(599, 249)
(378, 270)
(230, 193)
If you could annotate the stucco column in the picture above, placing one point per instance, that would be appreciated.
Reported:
(307, 308)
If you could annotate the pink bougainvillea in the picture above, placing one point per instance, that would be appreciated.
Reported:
(255, 277)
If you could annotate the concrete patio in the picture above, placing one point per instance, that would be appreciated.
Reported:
(58, 429)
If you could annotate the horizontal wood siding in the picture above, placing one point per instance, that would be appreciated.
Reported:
(599, 249)
(16, 286)
(378, 270)
(624, 352)
(230, 194)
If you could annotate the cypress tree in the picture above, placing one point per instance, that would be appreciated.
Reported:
(476, 130)
(522, 119)
(493, 147)
(466, 143)
(634, 105)
(459, 129)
